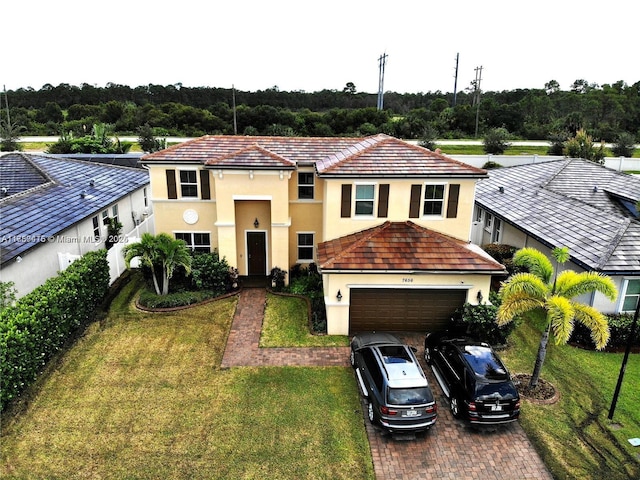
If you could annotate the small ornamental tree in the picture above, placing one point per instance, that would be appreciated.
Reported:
(581, 146)
(495, 141)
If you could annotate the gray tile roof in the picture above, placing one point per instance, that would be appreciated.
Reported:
(45, 196)
(573, 203)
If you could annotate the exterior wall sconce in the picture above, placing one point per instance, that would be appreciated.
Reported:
(479, 296)
(339, 296)
(19, 259)
(256, 223)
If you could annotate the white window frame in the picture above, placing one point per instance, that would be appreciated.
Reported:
(145, 197)
(434, 200)
(114, 212)
(312, 247)
(479, 216)
(97, 229)
(496, 234)
(373, 200)
(191, 243)
(488, 222)
(624, 295)
(188, 184)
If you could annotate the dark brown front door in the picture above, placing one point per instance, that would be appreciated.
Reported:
(257, 252)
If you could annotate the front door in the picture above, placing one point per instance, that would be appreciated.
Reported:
(257, 253)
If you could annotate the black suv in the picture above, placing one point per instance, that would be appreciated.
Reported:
(473, 378)
(393, 383)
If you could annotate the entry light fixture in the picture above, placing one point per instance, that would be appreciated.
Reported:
(339, 295)
(256, 223)
(479, 296)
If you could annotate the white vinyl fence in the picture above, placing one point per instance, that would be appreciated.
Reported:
(115, 256)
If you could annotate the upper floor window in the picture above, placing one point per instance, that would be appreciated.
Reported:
(496, 235)
(631, 295)
(189, 183)
(145, 196)
(488, 222)
(305, 246)
(306, 185)
(96, 228)
(433, 200)
(365, 198)
(114, 213)
(198, 242)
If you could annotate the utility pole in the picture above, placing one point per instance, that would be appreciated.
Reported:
(455, 82)
(235, 121)
(381, 64)
(476, 97)
(6, 102)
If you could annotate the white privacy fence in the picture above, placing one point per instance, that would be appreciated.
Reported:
(115, 256)
(622, 164)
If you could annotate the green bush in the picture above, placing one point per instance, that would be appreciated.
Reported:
(40, 323)
(210, 272)
(150, 299)
(308, 282)
(619, 327)
(479, 323)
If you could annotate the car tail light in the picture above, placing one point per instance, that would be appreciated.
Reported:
(388, 411)
(472, 406)
(431, 408)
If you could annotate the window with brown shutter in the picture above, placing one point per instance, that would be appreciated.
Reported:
(383, 200)
(172, 192)
(452, 204)
(204, 185)
(414, 203)
(345, 207)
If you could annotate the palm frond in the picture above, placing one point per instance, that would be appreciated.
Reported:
(596, 322)
(571, 284)
(516, 304)
(560, 313)
(536, 262)
(528, 283)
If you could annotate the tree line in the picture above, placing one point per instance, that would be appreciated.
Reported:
(606, 111)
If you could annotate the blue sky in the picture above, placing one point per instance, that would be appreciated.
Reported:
(310, 45)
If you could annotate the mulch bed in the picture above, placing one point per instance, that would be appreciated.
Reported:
(544, 393)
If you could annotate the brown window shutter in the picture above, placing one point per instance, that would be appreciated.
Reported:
(414, 203)
(345, 209)
(204, 185)
(452, 204)
(172, 192)
(383, 200)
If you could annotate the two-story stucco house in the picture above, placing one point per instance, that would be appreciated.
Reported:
(387, 223)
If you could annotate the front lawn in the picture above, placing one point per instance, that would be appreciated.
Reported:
(574, 436)
(141, 395)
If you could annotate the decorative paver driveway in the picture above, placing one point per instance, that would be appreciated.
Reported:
(450, 450)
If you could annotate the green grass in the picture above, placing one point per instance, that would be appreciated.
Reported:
(141, 396)
(286, 324)
(574, 436)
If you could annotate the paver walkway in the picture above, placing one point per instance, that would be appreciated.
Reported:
(450, 450)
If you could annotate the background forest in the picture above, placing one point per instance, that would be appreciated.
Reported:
(605, 111)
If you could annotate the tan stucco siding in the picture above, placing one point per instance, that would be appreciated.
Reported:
(305, 218)
(398, 208)
(338, 311)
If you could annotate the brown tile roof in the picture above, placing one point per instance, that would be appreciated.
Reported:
(375, 156)
(404, 246)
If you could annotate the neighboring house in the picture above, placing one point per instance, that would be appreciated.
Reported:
(387, 223)
(53, 210)
(584, 206)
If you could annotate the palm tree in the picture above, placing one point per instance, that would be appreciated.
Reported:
(541, 293)
(162, 254)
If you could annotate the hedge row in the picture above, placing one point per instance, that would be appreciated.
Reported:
(38, 325)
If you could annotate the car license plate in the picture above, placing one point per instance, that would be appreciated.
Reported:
(411, 413)
(496, 408)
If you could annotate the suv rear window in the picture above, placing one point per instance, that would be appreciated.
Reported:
(410, 396)
(484, 362)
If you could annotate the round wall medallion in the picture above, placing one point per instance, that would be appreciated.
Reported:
(190, 216)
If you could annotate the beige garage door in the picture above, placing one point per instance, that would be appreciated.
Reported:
(419, 310)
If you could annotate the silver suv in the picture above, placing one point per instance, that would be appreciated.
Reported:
(393, 383)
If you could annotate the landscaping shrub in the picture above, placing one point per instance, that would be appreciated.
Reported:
(210, 272)
(504, 254)
(150, 299)
(619, 327)
(479, 322)
(308, 282)
(40, 323)
(277, 277)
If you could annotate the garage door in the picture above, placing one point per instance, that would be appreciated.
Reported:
(419, 310)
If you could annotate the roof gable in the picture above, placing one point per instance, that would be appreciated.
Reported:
(404, 246)
(377, 156)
